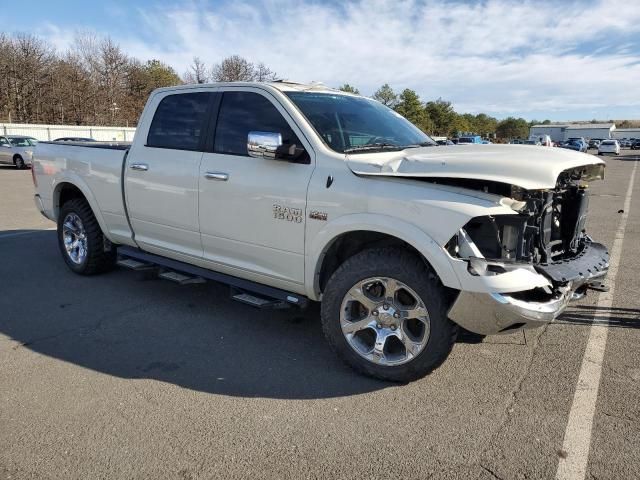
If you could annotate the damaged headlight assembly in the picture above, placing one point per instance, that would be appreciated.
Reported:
(493, 244)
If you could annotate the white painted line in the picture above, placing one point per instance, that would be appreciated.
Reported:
(577, 436)
(17, 234)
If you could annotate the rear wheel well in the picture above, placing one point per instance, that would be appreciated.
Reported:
(351, 243)
(66, 192)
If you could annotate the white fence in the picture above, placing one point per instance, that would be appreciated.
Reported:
(51, 132)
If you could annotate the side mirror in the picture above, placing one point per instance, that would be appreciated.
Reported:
(264, 144)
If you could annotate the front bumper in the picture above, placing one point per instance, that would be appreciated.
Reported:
(491, 313)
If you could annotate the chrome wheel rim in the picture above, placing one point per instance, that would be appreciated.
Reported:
(74, 238)
(384, 321)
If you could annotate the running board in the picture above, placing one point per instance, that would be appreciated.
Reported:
(261, 292)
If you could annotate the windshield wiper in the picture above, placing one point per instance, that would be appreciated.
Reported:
(373, 146)
(421, 144)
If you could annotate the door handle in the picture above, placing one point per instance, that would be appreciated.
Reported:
(143, 167)
(222, 177)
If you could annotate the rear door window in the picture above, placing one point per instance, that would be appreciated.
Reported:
(244, 112)
(180, 121)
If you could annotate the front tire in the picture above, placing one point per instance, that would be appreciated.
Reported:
(384, 313)
(81, 240)
(18, 161)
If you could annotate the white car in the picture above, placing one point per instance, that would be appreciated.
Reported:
(17, 150)
(609, 146)
(297, 193)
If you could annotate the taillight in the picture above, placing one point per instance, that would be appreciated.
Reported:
(33, 174)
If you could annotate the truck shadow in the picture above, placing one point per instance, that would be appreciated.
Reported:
(594, 315)
(131, 326)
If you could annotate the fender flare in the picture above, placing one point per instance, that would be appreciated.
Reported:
(75, 180)
(407, 232)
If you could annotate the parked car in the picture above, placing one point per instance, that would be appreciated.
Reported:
(577, 145)
(17, 150)
(444, 142)
(74, 139)
(477, 139)
(594, 143)
(517, 141)
(636, 145)
(532, 142)
(624, 143)
(609, 146)
(293, 194)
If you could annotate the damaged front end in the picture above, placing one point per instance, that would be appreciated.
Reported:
(545, 239)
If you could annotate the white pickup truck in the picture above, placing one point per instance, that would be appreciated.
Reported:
(293, 193)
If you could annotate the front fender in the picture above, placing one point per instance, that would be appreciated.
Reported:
(392, 226)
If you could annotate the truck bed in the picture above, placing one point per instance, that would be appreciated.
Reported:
(96, 169)
(108, 145)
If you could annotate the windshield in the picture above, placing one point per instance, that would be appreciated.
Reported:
(351, 124)
(21, 142)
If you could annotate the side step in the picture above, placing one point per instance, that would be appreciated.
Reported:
(134, 264)
(180, 278)
(259, 302)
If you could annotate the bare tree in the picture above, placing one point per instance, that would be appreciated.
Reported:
(197, 72)
(25, 80)
(262, 73)
(233, 69)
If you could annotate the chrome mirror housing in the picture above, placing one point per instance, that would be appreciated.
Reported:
(263, 144)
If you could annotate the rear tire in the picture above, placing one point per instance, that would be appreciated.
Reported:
(81, 240)
(388, 359)
(18, 161)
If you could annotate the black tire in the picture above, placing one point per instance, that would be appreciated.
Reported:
(97, 260)
(410, 270)
(18, 161)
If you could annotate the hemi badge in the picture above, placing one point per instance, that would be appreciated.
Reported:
(316, 215)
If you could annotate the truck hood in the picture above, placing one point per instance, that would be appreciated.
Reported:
(529, 167)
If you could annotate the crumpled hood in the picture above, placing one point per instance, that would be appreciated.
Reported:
(529, 167)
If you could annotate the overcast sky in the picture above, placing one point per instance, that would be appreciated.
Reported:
(557, 59)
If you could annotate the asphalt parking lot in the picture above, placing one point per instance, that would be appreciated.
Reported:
(127, 376)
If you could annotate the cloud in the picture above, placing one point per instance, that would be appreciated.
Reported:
(496, 56)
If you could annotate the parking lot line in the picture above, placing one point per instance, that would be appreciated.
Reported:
(17, 234)
(577, 437)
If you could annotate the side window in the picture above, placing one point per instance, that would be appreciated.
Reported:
(179, 121)
(4, 141)
(244, 112)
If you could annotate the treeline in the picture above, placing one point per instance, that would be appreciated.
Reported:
(438, 117)
(94, 82)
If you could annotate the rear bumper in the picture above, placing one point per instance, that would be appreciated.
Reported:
(491, 313)
(40, 205)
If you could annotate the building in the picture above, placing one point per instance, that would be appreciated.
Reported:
(564, 131)
(627, 133)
